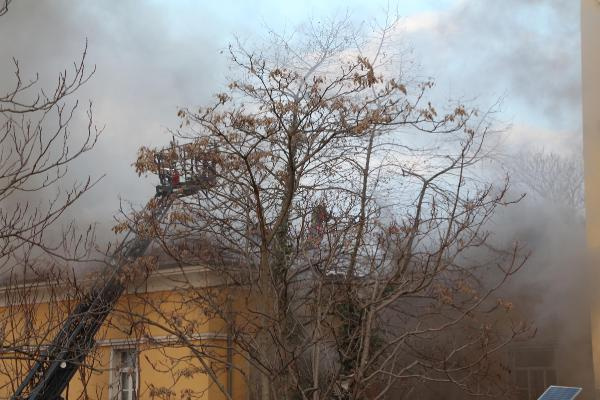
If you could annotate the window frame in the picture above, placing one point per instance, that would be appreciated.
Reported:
(545, 370)
(116, 370)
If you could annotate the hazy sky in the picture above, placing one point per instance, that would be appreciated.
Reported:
(154, 56)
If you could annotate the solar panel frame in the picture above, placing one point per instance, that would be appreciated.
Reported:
(560, 393)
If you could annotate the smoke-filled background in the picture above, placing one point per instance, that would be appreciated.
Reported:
(518, 57)
(155, 56)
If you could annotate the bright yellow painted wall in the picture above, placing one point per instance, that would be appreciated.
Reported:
(590, 29)
(155, 382)
(164, 368)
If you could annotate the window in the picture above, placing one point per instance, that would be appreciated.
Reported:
(534, 371)
(125, 367)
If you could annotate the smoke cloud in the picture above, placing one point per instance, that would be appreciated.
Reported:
(152, 57)
(526, 52)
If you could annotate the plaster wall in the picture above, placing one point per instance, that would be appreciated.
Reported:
(590, 41)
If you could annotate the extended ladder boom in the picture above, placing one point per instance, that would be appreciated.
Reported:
(51, 374)
(182, 172)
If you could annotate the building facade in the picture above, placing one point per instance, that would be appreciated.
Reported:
(590, 41)
(144, 351)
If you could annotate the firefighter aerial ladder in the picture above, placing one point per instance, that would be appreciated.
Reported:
(182, 172)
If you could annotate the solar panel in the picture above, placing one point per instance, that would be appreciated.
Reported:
(560, 393)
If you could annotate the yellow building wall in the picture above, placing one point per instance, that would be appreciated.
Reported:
(590, 31)
(160, 377)
(167, 370)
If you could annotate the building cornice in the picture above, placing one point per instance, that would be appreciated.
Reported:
(162, 279)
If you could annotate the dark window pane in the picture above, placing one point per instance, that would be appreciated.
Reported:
(536, 377)
(523, 394)
(124, 381)
(534, 358)
(550, 377)
(521, 379)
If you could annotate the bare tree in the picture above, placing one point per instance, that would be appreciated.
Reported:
(4, 7)
(36, 149)
(37, 146)
(553, 177)
(33, 307)
(346, 230)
